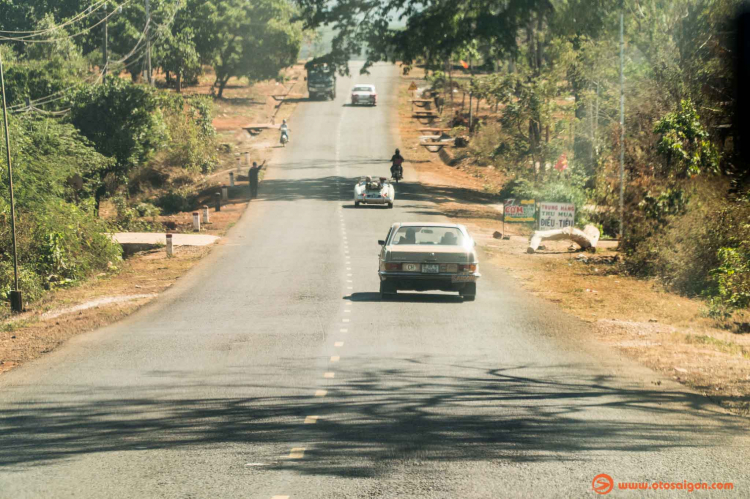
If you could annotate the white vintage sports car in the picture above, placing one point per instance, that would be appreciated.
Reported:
(364, 94)
(374, 190)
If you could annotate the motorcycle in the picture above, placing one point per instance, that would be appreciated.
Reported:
(397, 173)
(284, 138)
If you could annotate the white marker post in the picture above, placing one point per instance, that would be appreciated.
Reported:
(239, 161)
(231, 179)
(205, 215)
(196, 221)
(224, 193)
(169, 246)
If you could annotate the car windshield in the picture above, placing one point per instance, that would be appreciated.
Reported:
(362, 89)
(445, 236)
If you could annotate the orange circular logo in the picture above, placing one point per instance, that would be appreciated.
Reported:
(603, 484)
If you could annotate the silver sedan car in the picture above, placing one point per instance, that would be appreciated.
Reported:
(421, 256)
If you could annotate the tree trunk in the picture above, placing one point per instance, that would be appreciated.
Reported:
(222, 82)
(179, 82)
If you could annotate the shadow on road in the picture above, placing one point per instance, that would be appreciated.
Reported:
(405, 297)
(338, 188)
(443, 409)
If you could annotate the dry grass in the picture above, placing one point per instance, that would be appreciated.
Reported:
(667, 332)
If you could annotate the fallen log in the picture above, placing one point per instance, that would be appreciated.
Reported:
(587, 238)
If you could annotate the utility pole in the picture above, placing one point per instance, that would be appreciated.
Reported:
(16, 301)
(622, 123)
(105, 50)
(149, 75)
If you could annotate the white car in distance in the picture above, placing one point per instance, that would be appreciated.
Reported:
(374, 190)
(364, 94)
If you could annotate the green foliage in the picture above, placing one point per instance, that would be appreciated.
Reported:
(127, 218)
(178, 55)
(147, 210)
(243, 39)
(685, 144)
(48, 157)
(659, 207)
(124, 121)
(192, 143)
(60, 240)
(732, 278)
(177, 200)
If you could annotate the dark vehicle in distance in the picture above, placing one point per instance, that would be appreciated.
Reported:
(321, 81)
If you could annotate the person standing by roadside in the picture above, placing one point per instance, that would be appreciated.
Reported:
(253, 178)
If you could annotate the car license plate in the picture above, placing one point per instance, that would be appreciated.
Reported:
(431, 268)
(462, 278)
(373, 195)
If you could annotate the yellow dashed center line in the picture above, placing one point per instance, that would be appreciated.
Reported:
(297, 453)
(321, 393)
(339, 344)
(311, 419)
(329, 375)
(335, 358)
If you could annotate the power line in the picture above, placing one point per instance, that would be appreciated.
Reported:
(57, 40)
(81, 15)
(56, 96)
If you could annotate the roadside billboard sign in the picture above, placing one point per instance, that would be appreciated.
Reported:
(556, 215)
(519, 210)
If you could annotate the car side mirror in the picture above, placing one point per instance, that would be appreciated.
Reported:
(381, 242)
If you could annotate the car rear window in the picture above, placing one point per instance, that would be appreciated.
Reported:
(362, 89)
(444, 236)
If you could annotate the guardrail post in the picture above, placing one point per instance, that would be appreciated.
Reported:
(231, 178)
(217, 198)
(205, 215)
(169, 245)
(196, 222)
(224, 193)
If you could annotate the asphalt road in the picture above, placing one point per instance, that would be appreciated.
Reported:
(273, 369)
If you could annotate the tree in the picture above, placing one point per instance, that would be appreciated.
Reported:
(122, 120)
(435, 29)
(243, 39)
(177, 54)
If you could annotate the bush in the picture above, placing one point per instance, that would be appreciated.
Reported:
(60, 243)
(192, 135)
(134, 128)
(177, 200)
(702, 249)
(128, 218)
(147, 210)
(29, 282)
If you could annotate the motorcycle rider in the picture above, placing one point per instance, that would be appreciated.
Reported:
(396, 161)
(284, 131)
